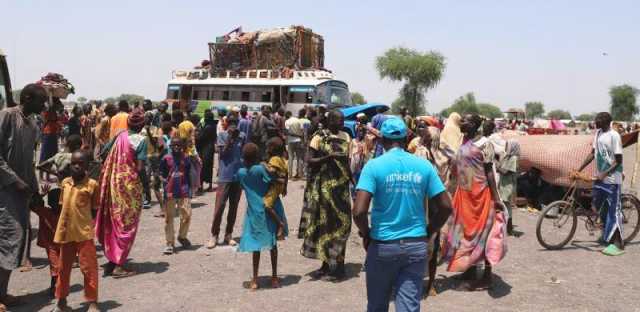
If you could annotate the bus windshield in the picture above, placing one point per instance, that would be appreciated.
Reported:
(332, 94)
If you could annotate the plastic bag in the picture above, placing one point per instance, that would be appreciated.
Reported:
(496, 248)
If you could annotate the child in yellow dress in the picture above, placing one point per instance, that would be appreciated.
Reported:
(277, 168)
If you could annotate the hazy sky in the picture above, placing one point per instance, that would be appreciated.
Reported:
(506, 52)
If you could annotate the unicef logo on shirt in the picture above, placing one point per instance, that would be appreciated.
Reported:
(406, 179)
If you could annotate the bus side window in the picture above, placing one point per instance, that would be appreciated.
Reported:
(266, 97)
(216, 94)
(225, 95)
(308, 98)
(246, 96)
(172, 95)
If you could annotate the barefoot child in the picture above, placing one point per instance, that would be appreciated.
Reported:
(58, 165)
(260, 224)
(174, 171)
(75, 233)
(277, 168)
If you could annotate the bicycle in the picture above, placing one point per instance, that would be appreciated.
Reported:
(562, 216)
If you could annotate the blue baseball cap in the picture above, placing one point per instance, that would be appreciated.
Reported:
(393, 128)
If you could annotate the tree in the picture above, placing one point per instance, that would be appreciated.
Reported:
(534, 109)
(130, 98)
(559, 114)
(586, 117)
(403, 101)
(357, 98)
(419, 72)
(82, 100)
(465, 104)
(490, 110)
(110, 100)
(623, 102)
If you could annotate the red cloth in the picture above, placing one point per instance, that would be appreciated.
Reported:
(48, 221)
(88, 261)
(51, 125)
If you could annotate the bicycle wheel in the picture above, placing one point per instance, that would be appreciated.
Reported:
(556, 225)
(630, 216)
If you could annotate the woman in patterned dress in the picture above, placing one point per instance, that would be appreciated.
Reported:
(475, 204)
(326, 219)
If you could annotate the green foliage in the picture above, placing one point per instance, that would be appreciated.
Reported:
(586, 117)
(357, 98)
(131, 98)
(534, 109)
(623, 102)
(401, 102)
(397, 105)
(82, 100)
(490, 110)
(109, 100)
(465, 104)
(559, 114)
(419, 72)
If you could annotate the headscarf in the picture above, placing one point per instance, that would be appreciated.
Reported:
(451, 135)
(136, 118)
(435, 137)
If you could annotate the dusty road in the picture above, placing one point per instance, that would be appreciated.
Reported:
(212, 280)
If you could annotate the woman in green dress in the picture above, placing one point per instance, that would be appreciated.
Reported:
(327, 215)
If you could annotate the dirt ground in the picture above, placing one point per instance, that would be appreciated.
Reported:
(200, 279)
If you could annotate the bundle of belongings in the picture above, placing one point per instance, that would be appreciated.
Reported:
(556, 156)
(293, 47)
(56, 85)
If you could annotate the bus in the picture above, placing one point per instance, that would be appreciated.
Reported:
(292, 90)
(6, 99)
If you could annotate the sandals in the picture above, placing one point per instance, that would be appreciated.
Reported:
(212, 243)
(230, 241)
(120, 272)
(27, 267)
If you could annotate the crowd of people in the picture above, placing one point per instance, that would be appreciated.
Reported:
(428, 187)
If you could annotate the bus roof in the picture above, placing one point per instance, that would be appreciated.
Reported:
(250, 82)
(305, 78)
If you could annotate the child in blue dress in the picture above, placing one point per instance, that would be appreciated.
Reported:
(260, 224)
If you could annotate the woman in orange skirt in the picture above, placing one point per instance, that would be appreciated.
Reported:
(475, 204)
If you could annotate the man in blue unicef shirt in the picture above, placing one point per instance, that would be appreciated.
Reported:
(402, 187)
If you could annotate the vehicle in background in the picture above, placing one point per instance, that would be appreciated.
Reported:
(256, 88)
(350, 114)
(280, 67)
(6, 97)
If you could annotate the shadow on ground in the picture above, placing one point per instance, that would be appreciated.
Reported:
(149, 267)
(39, 263)
(499, 288)
(352, 270)
(198, 205)
(103, 306)
(264, 282)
